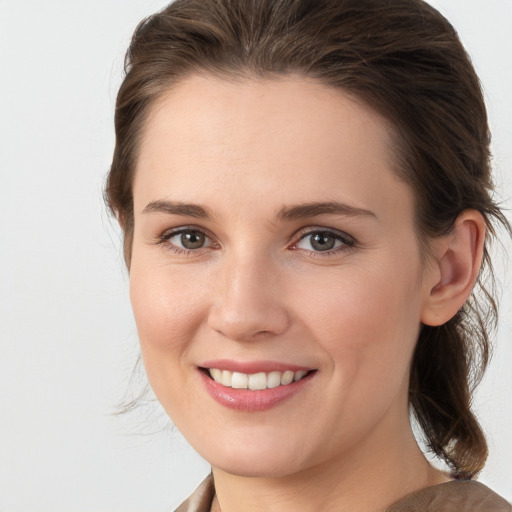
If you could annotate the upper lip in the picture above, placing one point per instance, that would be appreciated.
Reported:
(251, 367)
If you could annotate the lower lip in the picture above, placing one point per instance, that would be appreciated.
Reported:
(252, 401)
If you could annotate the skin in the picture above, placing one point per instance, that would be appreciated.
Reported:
(258, 290)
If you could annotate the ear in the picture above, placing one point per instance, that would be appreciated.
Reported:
(454, 271)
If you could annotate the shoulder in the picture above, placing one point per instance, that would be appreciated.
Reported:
(201, 498)
(459, 496)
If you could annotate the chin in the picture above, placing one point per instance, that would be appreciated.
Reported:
(257, 461)
(257, 469)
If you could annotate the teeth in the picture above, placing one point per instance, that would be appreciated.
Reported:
(287, 378)
(216, 374)
(225, 378)
(255, 381)
(239, 380)
(274, 379)
(298, 375)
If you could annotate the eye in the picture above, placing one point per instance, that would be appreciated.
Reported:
(324, 241)
(184, 240)
(190, 239)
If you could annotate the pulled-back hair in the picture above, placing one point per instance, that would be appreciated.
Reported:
(405, 61)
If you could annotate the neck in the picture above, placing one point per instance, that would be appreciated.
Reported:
(369, 479)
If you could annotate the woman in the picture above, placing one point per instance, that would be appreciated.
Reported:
(305, 194)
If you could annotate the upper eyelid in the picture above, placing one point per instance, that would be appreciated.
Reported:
(296, 237)
(304, 232)
(163, 238)
(168, 233)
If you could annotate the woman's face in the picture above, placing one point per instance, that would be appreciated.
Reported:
(273, 240)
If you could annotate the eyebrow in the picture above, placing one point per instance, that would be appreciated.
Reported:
(286, 213)
(178, 208)
(301, 211)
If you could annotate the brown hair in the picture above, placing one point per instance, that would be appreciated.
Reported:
(404, 60)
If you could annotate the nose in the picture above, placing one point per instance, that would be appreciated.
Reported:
(248, 302)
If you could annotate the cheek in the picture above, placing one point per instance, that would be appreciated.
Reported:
(168, 312)
(369, 319)
(368, 330)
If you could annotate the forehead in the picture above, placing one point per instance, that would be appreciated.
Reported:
(289, 139)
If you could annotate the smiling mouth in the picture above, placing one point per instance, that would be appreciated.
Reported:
(255, 381)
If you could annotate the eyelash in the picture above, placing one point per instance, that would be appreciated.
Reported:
(347, 242)
(165, 237)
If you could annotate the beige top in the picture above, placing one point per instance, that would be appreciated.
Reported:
(456, 496)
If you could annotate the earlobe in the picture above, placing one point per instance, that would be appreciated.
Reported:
(458, 257)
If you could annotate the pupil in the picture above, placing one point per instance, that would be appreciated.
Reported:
(192, 239)
(322, 241)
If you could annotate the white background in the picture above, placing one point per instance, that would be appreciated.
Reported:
(67, 338)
